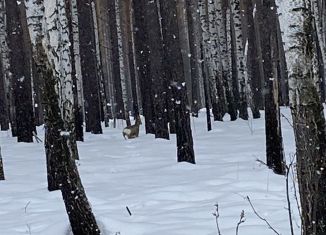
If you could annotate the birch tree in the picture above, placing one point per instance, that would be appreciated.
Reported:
(308, 119)
(50, 38)
(240, 60)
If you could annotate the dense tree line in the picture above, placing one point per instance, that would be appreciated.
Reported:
(67, 63)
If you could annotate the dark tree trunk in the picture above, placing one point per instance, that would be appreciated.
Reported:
(113, 33)
(173, 71)
(21, 73)
(235, 84)
(274, 142)
(155, 46)
(283, 81)
(143, 64)
(253, 61)
(81, 217)
(207, 93)
(309, 123)
(62, 170)
(89, 67)
(4, 120)
(38, 99)
(2, 174)
(193, 19)
(133, 77)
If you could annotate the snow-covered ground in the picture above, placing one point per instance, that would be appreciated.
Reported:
(164, 197)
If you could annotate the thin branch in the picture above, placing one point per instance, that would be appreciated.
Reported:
(261, 162)
(242, 220)
(287, 119)
(288, 196)
(217, 215)
(263, 219)
(295, 188)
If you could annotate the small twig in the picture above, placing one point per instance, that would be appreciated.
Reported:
(217, 215)
(261, 162)
(295, 187)
(242, 220)
(263, 219)
(25, 208)
(128, 211)
(287, 119)
(38, 140)
(288, 196)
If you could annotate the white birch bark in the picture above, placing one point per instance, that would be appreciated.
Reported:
(228, 57)
(239, 52)
(210, 47)
(79, 78)
(48, 22)
(297, 60)
(123, 62)
(320, 37)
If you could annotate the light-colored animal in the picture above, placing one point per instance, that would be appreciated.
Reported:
(132, 131)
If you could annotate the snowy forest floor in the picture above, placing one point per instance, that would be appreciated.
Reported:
(164, 197)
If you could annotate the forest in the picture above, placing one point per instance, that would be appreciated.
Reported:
(166, 117)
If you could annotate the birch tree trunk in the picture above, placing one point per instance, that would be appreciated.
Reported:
(240, 60)
(118, 105)
(122, 22)
(54, 46)
(72, 18)
(227, 63)
(309, 121)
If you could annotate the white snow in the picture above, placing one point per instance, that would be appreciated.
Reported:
(164, 197)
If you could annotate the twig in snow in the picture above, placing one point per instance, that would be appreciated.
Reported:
(263, 219)
(261, 162)
(38, 140)
(25, 208)
(287, 119)
(217, 215)
(128, 211)
(242, 220)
